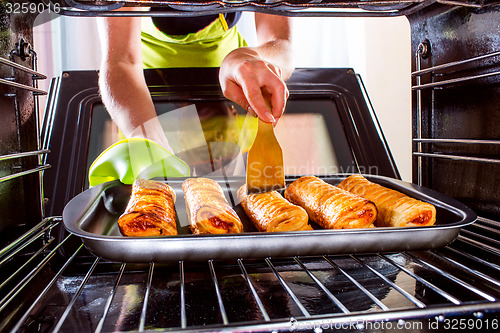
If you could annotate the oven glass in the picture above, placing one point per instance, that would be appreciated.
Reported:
(214, 136)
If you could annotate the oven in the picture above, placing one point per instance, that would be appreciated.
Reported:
(52, 282)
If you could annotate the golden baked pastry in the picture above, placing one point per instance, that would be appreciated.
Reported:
(207, 209)
(150, 210)
(395, 209)
(329, 206)
(270, 212)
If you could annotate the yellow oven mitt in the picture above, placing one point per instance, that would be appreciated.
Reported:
(135, 158)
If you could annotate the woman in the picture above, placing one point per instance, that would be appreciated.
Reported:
(248, 75)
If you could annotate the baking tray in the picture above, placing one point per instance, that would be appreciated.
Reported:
(93, 215)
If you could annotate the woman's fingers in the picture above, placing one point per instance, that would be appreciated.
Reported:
(261, 105)
(233, 92)
(257, 86)
(264, 90)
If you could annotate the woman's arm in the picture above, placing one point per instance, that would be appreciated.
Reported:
(255, 76)
(249, 76)
(121, 80)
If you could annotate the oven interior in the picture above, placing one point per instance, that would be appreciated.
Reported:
(51, 283)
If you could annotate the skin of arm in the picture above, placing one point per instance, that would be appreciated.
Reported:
(121, 80)
(254, 77)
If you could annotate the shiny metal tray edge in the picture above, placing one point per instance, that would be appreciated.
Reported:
(92, 216)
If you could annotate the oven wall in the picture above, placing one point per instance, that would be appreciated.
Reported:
(469, 111)
(19, 197)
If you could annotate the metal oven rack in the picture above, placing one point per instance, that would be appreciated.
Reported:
(11, 82)
(23, 157)
(411, 290)
(422, 51)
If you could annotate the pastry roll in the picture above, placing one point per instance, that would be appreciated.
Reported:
(150, 210)
(270, 212)
(329, 206)
(395, 209)
(207, 209)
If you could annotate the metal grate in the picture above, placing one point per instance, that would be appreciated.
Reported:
(15, 70)
(465, 78)
(85, 293)
(438, 72)
(10, 81)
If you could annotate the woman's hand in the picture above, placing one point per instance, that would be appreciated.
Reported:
(254, 83)
(254, 77)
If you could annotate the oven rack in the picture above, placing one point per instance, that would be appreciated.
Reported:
(83, 292)
(455, 69)
(13, 80)
(435, 70)
(24, 172)
(326, 8)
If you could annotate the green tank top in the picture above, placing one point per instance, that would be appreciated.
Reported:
(205, 48)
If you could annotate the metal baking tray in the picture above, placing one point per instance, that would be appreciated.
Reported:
(93, 215)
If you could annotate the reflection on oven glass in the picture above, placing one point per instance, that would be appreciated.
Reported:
(306, 143)
(213, 137)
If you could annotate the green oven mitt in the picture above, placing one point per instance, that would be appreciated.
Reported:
(135, 158)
